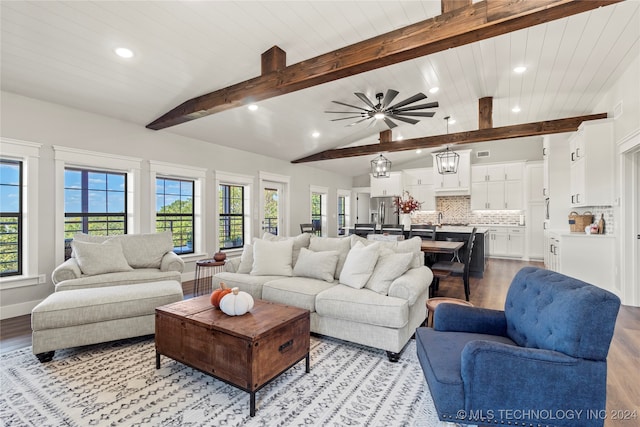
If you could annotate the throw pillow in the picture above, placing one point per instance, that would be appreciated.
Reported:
(389, 267)
(272, 258)
(340, 244)
(246, 260)
(413, 246)
(145, 250)
(359, 265)
(299, 242)
(316, 265)
(100, 258)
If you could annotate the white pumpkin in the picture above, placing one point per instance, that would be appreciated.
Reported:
(236, 303)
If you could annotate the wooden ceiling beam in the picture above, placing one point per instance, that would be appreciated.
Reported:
(569, 124)
(485, 112)
(461, 26)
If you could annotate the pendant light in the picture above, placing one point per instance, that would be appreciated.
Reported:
(380, 167)
(447, 161)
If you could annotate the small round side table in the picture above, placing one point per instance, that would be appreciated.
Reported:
(432, 303)
(205, 269)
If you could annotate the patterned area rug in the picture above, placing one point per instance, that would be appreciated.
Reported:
(116, 384)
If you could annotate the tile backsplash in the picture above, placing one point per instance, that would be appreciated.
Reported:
(457, 210)
(605, 212)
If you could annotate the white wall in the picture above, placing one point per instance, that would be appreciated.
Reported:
(50, 124)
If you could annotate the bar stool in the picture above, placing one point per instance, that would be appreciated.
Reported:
(205, 269)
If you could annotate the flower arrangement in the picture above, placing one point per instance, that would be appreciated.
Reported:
(406, 204)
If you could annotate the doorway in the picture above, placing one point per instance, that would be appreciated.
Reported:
(272, 211)
(630, 220)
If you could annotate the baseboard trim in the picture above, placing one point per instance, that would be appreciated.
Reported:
(15, 310)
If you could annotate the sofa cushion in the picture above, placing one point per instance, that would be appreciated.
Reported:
(300, 241)
(100, 258)
(245, 282)
(359, 265)
(362, 306)
(83, 306)
(297, 291)
(138, 275)
(145, 250)
(272, 258)
(389, 267)
(316, 265)
(340, 244)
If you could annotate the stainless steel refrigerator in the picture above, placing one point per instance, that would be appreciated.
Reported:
(382, 210)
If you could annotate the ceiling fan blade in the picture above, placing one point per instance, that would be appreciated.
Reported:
(389, 97)
(345, 118)
(416, 113)
(359, 121)
(403, 119)
(389, 123)
(418, 107)
(349, 105)
(364, 99)
(417, 97)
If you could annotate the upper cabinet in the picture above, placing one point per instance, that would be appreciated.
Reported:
(455, 184)
(497, 186)
(419, 183)
(592, 164)
(384, 187)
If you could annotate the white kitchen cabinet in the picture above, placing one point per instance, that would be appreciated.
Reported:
(592, 164)
(506, 241)
(497, 187)
(419, 183)
(535, 182)
(535, 230)
(384, 187)
(457, 184)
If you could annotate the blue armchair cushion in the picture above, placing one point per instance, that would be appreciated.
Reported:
(548, 317)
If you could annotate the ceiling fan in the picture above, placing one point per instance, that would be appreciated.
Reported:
(382, 110)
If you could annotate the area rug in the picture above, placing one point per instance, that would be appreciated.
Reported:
(116, 384)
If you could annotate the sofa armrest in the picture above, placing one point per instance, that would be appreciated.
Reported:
(171, 262)
(411, 284)
(462, 318)
(66, 271)
(504, 376)
(232, 264)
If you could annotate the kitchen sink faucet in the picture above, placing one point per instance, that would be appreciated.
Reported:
(440, 218)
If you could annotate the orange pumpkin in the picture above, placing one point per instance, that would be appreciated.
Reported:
(217, 295)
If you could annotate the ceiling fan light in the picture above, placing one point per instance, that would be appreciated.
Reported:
(447, 162)
(380, 167)
(379, 116)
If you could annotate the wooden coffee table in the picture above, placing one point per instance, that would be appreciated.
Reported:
(246, 351)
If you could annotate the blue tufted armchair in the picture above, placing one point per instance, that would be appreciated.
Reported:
(541, 361)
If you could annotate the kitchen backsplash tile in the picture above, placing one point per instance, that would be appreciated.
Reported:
(605, 212)
(457, 210)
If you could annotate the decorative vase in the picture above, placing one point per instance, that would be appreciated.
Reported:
(405, 220)
(219, 256)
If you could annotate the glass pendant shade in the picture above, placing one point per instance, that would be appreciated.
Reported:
(447, 162)
(380, 167)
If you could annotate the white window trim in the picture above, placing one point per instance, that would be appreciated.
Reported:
(73, 157)
(324, 197)
(29, 154)
(230, 178)
(347, 208)
(286, 184)
(198, 176)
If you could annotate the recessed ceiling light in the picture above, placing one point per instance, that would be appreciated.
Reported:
(451, 120)
(418, 151)
(252, 107)
(434, 89)
(521, 69)
(123, 52)
(399, 138)
(315, 134)
(516, 109)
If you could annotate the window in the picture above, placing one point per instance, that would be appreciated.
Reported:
(175, 212)
(231, 216)
(316, 212)
(344, 202)
(94, 203)
(10, 217)
(271, 210)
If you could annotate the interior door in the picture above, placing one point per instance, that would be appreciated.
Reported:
(272, 207)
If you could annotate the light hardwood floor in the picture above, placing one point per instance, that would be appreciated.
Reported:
(623, 381)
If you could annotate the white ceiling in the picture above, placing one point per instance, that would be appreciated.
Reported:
(62, 52)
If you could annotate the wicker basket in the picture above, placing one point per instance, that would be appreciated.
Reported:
(577, 223)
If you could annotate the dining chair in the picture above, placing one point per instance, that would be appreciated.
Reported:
(426, 232)
(307, 228)
(364, 229)
(392, 229)
(460, 268)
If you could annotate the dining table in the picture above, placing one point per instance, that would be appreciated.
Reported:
(439, 247)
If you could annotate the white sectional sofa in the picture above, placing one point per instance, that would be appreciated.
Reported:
(371, 293)
(108, 290)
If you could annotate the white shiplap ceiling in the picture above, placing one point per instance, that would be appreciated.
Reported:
(62, 52)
